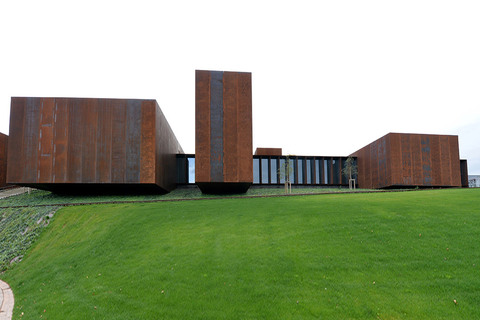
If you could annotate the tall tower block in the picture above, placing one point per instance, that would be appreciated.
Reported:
(223, 131)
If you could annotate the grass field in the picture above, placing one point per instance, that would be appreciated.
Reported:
(406, 255)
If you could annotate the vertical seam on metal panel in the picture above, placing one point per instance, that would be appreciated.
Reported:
(216, 126)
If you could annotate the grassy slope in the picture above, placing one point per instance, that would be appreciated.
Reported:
(41, 197)
(19, 228)
(388, 256)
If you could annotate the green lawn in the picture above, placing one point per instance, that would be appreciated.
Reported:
(405, 255)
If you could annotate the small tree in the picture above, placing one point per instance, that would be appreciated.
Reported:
(350, 170)
(284, 171)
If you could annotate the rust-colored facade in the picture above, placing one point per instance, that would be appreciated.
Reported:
(92, 145)
(223, 131)
(464, 173)
(3, 159)
(409, 160)
(268, 151)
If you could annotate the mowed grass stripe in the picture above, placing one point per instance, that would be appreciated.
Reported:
(358, 256)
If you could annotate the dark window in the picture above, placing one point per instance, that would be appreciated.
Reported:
(344, 177)
(317, 172)
(336, 171)
(256, 170)
(181, 172)
(273, 170)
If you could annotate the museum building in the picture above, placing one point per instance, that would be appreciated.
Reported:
(126, 145)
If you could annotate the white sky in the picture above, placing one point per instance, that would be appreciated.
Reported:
(328, 76)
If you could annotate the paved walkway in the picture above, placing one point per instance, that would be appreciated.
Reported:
(12, 192)
(6, 301)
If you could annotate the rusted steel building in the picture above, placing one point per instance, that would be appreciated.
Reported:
(223, 131)
(409, 160)
(110, 145)
(3, 159)
(76, 144)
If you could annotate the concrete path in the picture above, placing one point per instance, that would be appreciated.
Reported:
(12, 192)
(6, 301)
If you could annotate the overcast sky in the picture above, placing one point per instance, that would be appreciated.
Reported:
(328, 76)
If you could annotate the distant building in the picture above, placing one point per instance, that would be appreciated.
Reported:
(474, 181)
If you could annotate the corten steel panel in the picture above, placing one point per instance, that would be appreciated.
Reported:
(223, 131)
(416, 151)
(268, 151)
(464, 173)
(202, 126)
(216, 127)
(230, 169)
(455, 172)
(147, 144)
(118, 142)
(395, 163)
(244, 123)
(167, 147)
(133, 138)
(15, 173)
(3, 159)
(60, 141)
(76, 144)
(445, 170)
(45, 154)
(32, 119)
(103, 173)
(408, 160)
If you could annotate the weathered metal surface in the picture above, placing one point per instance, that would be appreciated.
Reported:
(166, 149)
(3, 159)
(74, 143)
(406, 160)
(464, 173)
(223, 141)
(231, 127)
(216, 127)
(244, 132)
(202, 126)
(268, 151)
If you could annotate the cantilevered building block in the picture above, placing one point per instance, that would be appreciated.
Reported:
(3, 159)
(399, 160)
(91, 145)
(223, 128)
